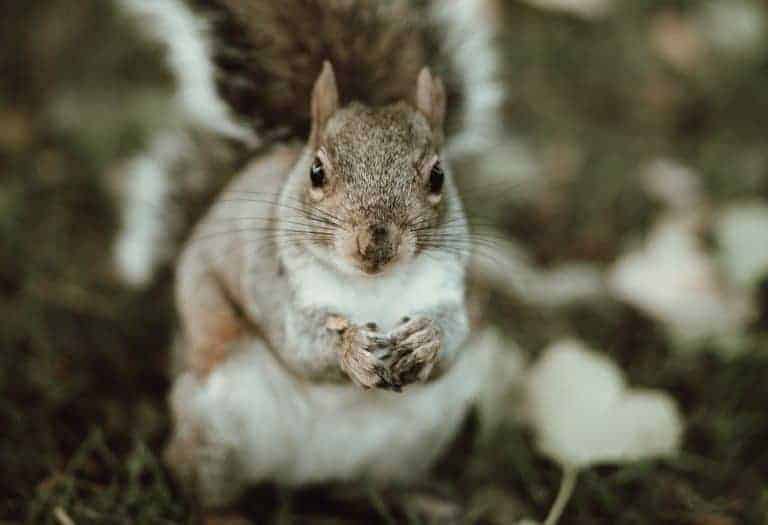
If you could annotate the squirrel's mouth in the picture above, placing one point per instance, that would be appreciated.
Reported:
(376, 257)
(371, 251)
(374, 267)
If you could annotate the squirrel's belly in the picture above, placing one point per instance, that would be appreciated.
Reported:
(296, 432)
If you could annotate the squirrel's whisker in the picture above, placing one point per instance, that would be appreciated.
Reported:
(302, 211)
(309, 234)
(305, 209)
(272, 220)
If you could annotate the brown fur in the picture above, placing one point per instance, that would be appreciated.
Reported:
(268, 53)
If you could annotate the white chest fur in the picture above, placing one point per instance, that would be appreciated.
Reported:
(424, 283)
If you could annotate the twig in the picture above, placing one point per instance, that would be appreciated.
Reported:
(61, 515)
(567, 485)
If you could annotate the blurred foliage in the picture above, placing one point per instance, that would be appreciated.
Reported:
(83, 360)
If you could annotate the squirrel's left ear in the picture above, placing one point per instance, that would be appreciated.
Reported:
(430, 100)
(325, 99)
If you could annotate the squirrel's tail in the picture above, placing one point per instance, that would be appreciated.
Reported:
(268, 53)
(244, 70)
(188, 51)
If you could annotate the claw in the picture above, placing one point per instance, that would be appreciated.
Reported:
(391, 361)
(417, 355)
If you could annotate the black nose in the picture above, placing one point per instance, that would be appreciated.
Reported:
(379, 233)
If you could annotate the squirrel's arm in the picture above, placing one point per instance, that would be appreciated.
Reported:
(212, 301)
(210, 318)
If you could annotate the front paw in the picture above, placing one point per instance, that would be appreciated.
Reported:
(416, 350)
(362, 357)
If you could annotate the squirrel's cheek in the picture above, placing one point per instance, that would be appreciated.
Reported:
(407, 245)
(316, 194)
(346, 244)
(434, 198)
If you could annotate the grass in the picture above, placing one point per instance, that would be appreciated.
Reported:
(83, 359)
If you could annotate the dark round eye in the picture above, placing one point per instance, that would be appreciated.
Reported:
(317, 174)
(436, 178)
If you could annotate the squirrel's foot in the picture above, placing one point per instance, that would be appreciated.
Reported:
(417, 345)
(362, 357)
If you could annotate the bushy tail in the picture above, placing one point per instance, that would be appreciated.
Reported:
(249, 65)
(188, 45)
(268, 54)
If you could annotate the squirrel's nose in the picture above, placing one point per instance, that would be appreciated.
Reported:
(379, 233)
(377, 244)
(372, 238)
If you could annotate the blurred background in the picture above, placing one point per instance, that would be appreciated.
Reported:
(632, 188)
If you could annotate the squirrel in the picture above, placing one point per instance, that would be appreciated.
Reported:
(323, 299)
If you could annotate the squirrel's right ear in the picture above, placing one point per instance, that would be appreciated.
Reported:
(325, 98)
(430, 100)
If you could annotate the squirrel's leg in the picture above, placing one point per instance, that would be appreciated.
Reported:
(427, 342)
(241, 425)
(203, 463)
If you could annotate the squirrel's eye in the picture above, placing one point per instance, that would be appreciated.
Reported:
(317, 174)
(436, 178)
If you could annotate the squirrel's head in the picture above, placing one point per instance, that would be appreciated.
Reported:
(373, 183)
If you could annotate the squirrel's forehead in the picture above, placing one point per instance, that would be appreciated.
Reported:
(391, 134)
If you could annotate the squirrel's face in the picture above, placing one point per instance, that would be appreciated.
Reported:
(372, 183)
(376, 176)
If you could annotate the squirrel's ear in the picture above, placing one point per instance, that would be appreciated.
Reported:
(430, 99)
(325, 98)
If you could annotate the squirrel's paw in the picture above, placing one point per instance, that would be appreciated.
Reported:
(417, 345)
(362, 357)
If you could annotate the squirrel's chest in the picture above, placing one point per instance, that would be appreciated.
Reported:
(384, 300)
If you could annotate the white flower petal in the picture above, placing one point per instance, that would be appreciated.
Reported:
(673, 280)
(649, 425)
(742, 235)
(583, 414)
(675, 184)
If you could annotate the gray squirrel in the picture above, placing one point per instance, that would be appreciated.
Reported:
(324, 310)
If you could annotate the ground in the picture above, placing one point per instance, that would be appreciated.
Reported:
(83, 358)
